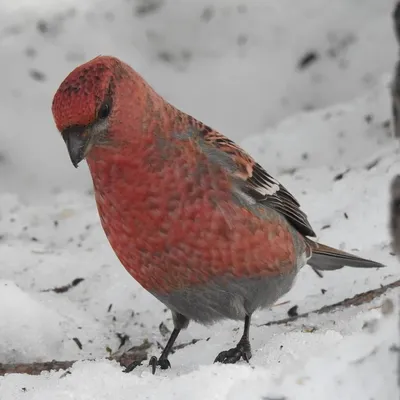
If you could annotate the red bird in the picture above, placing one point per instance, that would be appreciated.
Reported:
(191, 216)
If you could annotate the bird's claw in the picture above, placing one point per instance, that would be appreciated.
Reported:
(163, 363)
(132, 366)
(233, 355)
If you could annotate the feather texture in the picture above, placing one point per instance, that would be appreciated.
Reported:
(257, 183)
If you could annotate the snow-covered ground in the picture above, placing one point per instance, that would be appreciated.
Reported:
(234, 65)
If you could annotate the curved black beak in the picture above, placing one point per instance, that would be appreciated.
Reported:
(77, 139)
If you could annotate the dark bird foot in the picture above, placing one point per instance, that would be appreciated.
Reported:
(242, 350)
(163, 363)
(232, 356)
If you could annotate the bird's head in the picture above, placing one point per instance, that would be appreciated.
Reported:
(89, 103)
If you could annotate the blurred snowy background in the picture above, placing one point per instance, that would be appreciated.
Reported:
(304, 87)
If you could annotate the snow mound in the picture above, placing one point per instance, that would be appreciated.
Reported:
(23, 336)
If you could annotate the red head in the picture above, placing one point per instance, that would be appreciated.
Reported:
(89, 103)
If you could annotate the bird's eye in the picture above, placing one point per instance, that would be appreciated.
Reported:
(104, 111)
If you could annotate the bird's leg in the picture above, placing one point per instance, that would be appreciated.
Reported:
(242, 349)
(180, 322)
(163, 361)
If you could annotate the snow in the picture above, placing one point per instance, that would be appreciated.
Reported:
(235, 67)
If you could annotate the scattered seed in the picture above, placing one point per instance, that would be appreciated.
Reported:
(292, 312)
(78, 342)
(308, 59)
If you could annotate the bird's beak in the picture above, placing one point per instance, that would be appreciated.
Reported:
(77, 139)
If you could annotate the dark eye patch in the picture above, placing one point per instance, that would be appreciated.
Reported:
(105, 108)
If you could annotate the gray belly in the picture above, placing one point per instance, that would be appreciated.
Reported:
(227, 297)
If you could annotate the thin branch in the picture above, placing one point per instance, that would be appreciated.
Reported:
(357, 300)
(134, 356)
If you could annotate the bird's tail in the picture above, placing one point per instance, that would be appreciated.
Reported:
(327, 258)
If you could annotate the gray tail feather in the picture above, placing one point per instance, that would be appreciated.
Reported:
(327, 258)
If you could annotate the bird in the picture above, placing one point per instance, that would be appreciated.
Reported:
(192, 217)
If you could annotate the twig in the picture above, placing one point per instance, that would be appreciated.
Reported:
(356, 300)
(34, 368)
(138, 354)
(135, 355)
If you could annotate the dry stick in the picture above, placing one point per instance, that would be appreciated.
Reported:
(357, 300)
(139, 353)
(135, 355)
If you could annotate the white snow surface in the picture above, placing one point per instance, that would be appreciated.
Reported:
(232, 64)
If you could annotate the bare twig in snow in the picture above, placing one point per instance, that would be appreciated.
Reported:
(357, 300)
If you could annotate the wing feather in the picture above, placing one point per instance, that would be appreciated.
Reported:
(257, 182)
